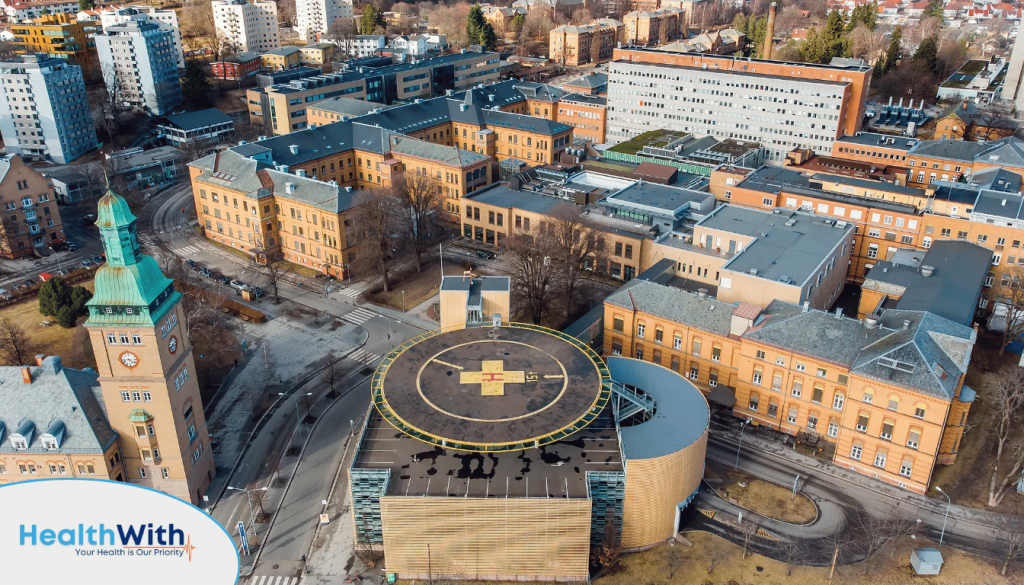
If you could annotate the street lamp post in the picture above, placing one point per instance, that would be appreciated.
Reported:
(403, 301)
(743, 425)
(61, 270)
(391, 324)
(297, 415)
(252, 515)
(327, 300)
(949, 504)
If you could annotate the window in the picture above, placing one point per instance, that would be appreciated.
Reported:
(147, 396)
(880, 458)
(773, 408)
(816, 394)
(617, 324)
(136, 396)
(777, 381)
(842, 379)
(754, 398)
(675, 363)
(696, 347)
(812, 421)
(869, 395)
(156, 453)
(716, 353)
(713, 378)
(887, 429)
(142, 472)
(640, 329)
(694, 372)
(779, 360)
(855, 452)
(756, 378)
(872, 251)
(768, 201)
(919, 411)
(798, 387)
(791, 416)
(760, 354)
(165, 473)
(862, 422)
(800, 367)
(906, 467)
(838, 400)
(136, 339)
(656, 357)
(677, 342)
(146, 455)
(616, 347)
(126, 396)
(894, 402)
(914, 438)
(659, 334)
(639, 353)
(822, 373)
(151, 431)
(111, 339)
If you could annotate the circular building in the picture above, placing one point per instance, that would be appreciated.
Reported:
(501, 453)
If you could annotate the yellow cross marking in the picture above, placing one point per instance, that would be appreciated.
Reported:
(492, 378)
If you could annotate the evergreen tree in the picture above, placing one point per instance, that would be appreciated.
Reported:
(758, 30)
(740, 23)
(79, 297)
(934, 10)
(86, 4)
(53, 295)
(892, 53)
(927, 54)
(814, 48)
(478, 30)
(370, 20)
(518, 21)
(195, 86)
(66, 317)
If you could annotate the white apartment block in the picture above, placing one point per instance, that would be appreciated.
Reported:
(138, 58)
(316, 16)
(248, 26)
(780, 113)
(167, 19)
(20, 10)
(43, 109)
(361, 46)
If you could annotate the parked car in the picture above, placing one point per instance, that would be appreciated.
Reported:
(237, 285)
(30, 282)
(98, 259)
(486, 255)
(6, 294)
(259, 292)
(204, 271)
(224, 279)
(89, 217)
(190, 263)
(72, 247)
(86, 263)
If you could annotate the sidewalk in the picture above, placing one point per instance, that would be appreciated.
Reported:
(971, 515)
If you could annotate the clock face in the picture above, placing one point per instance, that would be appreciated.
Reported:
(172, 344)
(129, 359)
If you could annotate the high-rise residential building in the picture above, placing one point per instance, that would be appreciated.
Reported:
(137, 57)
(781, 105)
(44, 111)
(61, 36)
(316, 16)
(147, 372)
(167, 19)
(248, 26)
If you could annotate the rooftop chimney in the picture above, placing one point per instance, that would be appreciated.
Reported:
(839, 313)
(906, 324)
(52, 365)
(39, 359)
(769, 34)
(702, 293)
(289, 187)
(871, 321)
(807, 306)
(294, 149)
(927, 271)
(26, 374)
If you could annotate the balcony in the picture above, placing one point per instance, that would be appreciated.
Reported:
(31, 217)
(27, 203)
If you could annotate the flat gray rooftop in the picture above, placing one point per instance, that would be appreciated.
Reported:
(779, 250)
(879, 140)
(660, 197)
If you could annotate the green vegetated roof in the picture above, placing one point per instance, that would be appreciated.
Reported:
(655, 138)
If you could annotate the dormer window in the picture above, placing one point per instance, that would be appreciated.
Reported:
(49, 443)
(19, 443)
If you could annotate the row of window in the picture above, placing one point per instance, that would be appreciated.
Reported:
(55, 469)
(124, 339)
(881, 456)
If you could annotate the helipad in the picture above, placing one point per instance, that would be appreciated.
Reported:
(491, 388)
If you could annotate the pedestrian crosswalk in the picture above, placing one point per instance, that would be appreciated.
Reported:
(364, 357)
(272, 580)
(186, 250)
(147, 240)
(359, 316)
(348, 292)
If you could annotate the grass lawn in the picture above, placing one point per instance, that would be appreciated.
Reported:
(72, 345)
(418, 287)
(767, 499)
(888, 567)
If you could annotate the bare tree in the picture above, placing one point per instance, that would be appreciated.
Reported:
(108, 104)
(1005, 397)
(342, 33)
(258, 496)
(748, 530)
(606, 555)
(377, 219)
(449, 20)
(868, 44)
(1012, 541)
(674, 560)
(992, 124)
(533, 271)
(790, 551)
(716, 552)
(575, 244)
(332, 373)
(419, 198)
(15, 346)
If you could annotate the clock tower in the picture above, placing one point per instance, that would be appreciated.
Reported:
(145, 363)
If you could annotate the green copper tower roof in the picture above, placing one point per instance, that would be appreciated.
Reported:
(130, 289)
